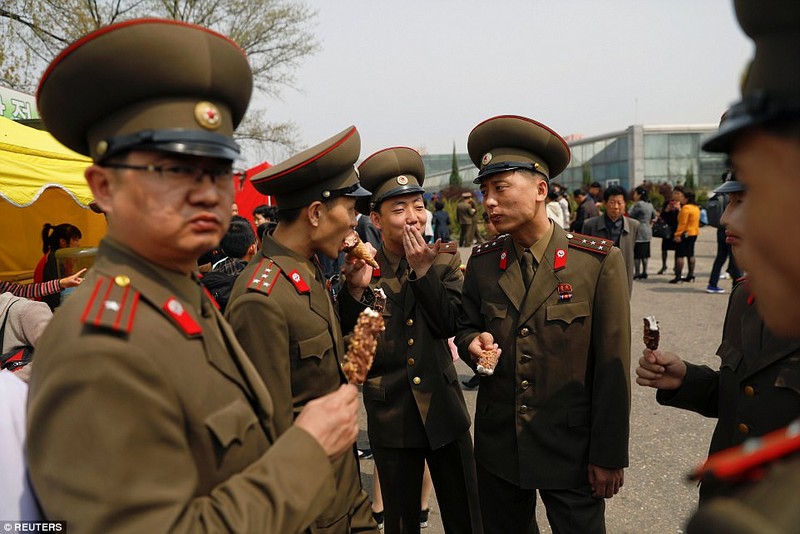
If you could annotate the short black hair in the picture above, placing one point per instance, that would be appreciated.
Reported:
(579, 192)
(643, 193)
(237, 239)
(262, 229)
(268, 212)
(439, 205)
(596, 184)
(613, 191)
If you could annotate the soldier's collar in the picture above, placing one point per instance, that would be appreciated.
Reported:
(537, 249)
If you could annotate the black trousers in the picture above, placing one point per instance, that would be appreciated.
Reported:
(505, 508)
(723, 253)
(453, 473)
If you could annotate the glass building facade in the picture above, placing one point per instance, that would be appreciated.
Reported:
(630, 157)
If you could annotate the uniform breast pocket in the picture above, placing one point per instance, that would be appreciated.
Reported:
(493, 310)
(568, 312)
(230, 424)
(316, 346)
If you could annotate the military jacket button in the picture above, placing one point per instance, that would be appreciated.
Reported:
(525, 384)
(743, 428)
(410, 341)
(523, 409)
(417, 380)
(526, 358)
(411, 361)
(410, 322)
(749, 391)
(524, 331)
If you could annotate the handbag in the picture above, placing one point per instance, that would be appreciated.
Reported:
(661, 229)
(16, 359)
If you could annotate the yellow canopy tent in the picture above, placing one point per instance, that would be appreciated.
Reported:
(41, 181)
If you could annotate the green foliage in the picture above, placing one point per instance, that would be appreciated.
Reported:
(455, 176)
(586, 174)
(275, 34)
(689, 179)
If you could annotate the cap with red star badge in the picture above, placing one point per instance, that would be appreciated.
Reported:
(510, 142)
(389, 173)
(147, 84)
(322, 172)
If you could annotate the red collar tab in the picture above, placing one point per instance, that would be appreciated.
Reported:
(298, 282)
(564, 292)
(181, 317)
(503, 260)
(560, 259)
(376, 273)
(751, 299)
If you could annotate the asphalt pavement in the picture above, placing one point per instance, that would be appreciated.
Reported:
(666, 443)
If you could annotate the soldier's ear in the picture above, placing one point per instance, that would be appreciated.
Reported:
(100, 182)
(375, 219)
(542, 188)
(314, 213)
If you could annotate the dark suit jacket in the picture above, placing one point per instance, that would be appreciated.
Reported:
(284, 318)
(596, 226)
(757, 387)
(559, 398)
(145, 415)
(412, 394)
(585, 210)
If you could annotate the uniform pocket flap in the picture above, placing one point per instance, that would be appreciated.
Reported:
(491, 309)
(374, 392)
(315, 346)
(568, 311)
(232, 422)
(730, 355)
(789, 378)
(578, 417)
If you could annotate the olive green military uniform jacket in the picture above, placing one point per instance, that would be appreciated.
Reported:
(283, 316)
(757, 387)
(559, 398)
(145, 415)
(412, 395)
(465, 211)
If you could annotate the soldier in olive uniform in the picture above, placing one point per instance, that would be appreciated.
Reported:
(757, 388)
(465, 211)
(762, 137)
(283, 314)
(145, 414)
(554, 415)
(414, 404)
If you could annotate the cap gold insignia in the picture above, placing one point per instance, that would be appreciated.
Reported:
(486, 158)
(101, 148)
(326, 194)
(122, 281)
(207, 115)
(402, 180)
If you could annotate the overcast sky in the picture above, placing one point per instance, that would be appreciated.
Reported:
(424, 73)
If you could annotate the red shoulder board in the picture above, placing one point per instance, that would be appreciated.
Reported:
(446, 248)
(264, 276)
(112, 305)
(181, 317)
(590, 243)
(298, 282)
(746, 460)
(489, 246)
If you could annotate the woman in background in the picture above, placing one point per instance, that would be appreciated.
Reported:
(63, 235)
(686, 235)
(644, 212)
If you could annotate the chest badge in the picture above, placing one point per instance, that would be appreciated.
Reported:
(564, 292)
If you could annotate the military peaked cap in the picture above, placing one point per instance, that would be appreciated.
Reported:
(151, 84)
(322, 172)
(509, 142)
(771, 85)
(388, 173)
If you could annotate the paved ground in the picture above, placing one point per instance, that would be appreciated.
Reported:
(665, 443)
